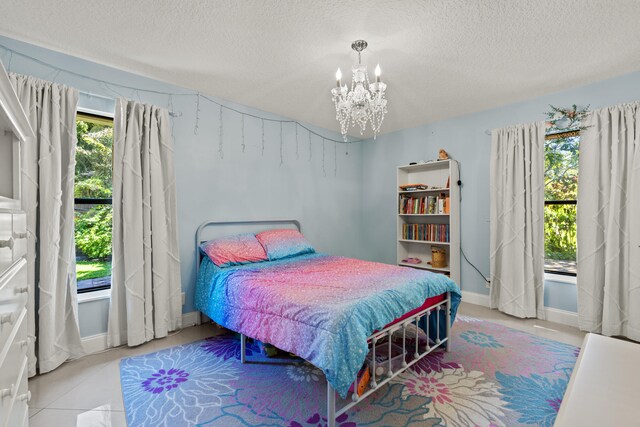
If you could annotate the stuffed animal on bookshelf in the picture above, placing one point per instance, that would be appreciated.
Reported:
(443, 155)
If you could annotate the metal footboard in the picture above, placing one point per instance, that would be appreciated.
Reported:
(416, 353)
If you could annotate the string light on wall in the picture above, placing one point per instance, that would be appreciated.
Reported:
(197, 126)
(242, 124)
(120, 90)
(324, 171)
(365, 102)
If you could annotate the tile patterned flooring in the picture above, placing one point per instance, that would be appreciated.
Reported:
(86, 392)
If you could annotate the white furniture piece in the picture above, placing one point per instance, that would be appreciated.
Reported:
(435, 175)
(604, 389)
(14, 131)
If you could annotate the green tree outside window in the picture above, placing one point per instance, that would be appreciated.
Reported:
(561, 183)
(93, 180)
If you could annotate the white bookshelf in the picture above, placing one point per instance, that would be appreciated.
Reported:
(434, 174)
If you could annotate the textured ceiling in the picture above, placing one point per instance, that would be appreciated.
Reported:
(440, 58)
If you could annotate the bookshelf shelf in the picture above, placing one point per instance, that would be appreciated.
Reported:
(427, 242)
(429, 227)
(423, 214)
(430, 190)
(425, 267)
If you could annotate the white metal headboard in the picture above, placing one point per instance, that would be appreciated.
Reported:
(257, 225)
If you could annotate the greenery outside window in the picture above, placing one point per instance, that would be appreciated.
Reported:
(561, 193)
(93, 210)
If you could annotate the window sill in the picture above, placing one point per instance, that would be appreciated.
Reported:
(94, 296)
(560, 278)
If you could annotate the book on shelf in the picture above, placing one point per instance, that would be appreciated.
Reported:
(413, 187)
(432, 204)
(426, 232)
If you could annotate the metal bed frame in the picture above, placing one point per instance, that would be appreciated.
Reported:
(376, 381)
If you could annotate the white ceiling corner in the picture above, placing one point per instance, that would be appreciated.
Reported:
(440, 58)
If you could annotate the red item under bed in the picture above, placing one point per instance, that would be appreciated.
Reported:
(428, 303)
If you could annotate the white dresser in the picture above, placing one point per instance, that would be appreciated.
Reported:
(14, 132)
(604, 389)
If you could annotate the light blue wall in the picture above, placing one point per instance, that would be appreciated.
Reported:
(241, 185)
(561, 295)
(93, 317)
(350, 212)
(465, 139)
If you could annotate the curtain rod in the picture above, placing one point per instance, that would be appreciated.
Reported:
(557, 135)
(94, 95)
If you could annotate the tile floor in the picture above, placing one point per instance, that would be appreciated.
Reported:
(86, 392)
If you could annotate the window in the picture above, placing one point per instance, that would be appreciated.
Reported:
(561, 193)
(92, 192)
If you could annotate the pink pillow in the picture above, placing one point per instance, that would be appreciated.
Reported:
(234, 250)
(284, 243)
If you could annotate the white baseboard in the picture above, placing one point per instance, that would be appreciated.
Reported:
(191, 318)
(554, 315)
(475, 298)
(563, 317)
(96, 343)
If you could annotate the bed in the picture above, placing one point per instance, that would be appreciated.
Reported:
(332, 311)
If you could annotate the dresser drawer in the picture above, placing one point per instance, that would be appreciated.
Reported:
(14, 347)
(16, 397)
(19, 235)
(13, 374)
(6, 241)
(13, 299)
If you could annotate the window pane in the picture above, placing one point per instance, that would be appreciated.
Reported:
(561, 168)
(560, 238)
(94, 160)
(93, 245)
(93, 222)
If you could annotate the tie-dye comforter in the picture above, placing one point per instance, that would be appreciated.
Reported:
(320, 307)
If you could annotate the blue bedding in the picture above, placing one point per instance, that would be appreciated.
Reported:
(319, 307)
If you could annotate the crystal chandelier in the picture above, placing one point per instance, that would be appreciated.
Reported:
(364, 102)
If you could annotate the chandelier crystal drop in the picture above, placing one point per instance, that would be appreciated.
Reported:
(364, 102)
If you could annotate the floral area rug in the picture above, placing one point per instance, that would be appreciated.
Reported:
(494, 376)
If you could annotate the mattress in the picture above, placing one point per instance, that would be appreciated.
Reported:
(319, 307)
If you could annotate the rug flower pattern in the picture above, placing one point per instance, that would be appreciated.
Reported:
(494, 376)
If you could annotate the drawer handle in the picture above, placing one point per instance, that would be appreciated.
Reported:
(26, 397)
(22, 290)
(7, 243)
(7, 318)
(7, 391)
(19, 235)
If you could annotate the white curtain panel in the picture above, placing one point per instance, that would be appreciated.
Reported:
(146, 300)
(517, 220)
(609, 222)
(48, 171)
